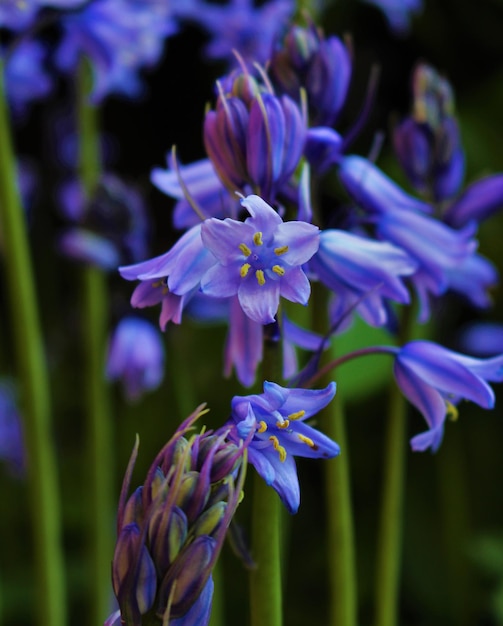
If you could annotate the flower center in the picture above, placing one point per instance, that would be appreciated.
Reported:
(261, 259)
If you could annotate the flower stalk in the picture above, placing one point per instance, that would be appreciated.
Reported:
(95, 314)
(44, 491)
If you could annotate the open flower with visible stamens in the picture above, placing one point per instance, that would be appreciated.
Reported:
(259, 259)
(275, 420)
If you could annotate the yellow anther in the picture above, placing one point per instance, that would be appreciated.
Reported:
(281, 250)
(157, 283)
(277, 269)
(244, 249)
(244, 269)
(308, 441)
(257, 238)
(452, 411)
(296, 416)
(260, 277)
(278, 447)
(262, 427)
(283, 424)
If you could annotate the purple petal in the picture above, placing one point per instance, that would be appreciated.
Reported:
(295, 286)
(259, 302)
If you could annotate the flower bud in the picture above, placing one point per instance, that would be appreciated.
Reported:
(170, 531)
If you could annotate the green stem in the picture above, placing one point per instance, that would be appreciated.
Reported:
(95, 320)
(42, 476)
(389, 546)
(340, 541)
(265, 581)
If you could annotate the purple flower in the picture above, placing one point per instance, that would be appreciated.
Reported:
(253, 138)
(398, 13)
(17, 15)
(25, 77)
(473, 279)
(322, 67)
(240, 26)
(135, 356)
(203, 185)
(428, 143)
(362, 273)
(171, 529)
(111, 228)
(120, 37)
(482, 339)
(11, 434)
(434, 379)
(479, 201)
(274, 424)
(259, 259)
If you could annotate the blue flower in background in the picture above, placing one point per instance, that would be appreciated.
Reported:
(434, 379)
(321, 66)
(25, 76)
(11, 434)
(259, 259)
(398, 13)
(120, 37)
(482, 339)
(18, 15)
(135, 356)
(239, 26)
(275, 422)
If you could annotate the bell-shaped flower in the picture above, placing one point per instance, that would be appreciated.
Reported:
(171, 529)
(172, 277)
(204, 187)
(254, 141)
(478, 201)
(322, 67)
(434, 379)
(119, 37)
(356, 269)
(473, 279)
(274, 424)
(135, 356)
(239, 26)
(259, 259)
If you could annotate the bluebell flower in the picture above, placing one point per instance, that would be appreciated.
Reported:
(482, 339)
(172, 277)
(473, 279)
(18, 15)
(120, 37)
(25, 77)
(171, 529)
(363, 273)
(11, 435)
(240, 26)
(428, 143)
(204, 187)
(480, 200)
(305, 59)
(274, 424)
(253, 138)
(401, 219)
(259, 259)
(108, 229)
(398, 13)
(434, 379)
(135, 356)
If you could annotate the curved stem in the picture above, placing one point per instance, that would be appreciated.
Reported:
(335, 363)
(95, 316)
(32, 368)
(389, 548)
(265, 580)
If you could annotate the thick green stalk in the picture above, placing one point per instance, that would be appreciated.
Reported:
(389, 546)
(95, 319)
(265, 581)
(340, 541)
(32, 368)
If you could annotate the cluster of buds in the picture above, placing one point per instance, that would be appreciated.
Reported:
(428, 143)
(254, 138)
(171, 529)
